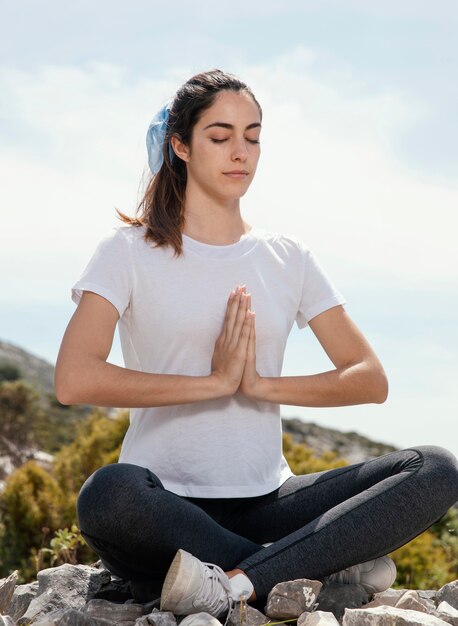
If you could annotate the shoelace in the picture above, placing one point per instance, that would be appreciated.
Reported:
(211, 588)
(211, 593)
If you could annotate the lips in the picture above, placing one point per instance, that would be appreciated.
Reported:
(236, 174)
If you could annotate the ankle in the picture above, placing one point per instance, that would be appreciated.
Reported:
(234, 572)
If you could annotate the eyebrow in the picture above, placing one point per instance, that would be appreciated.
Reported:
(231, 126)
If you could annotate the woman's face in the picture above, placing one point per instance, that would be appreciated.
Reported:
(224, 150)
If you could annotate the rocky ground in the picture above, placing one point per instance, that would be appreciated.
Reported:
(83, 595)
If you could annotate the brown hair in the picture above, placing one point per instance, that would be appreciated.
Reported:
(161, 209)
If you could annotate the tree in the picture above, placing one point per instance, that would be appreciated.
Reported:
(30, 506)
(8, 371)
(97, 443)
(19, 409)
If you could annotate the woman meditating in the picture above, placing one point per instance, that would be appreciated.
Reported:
(204, 303)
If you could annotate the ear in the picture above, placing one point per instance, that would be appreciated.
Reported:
(180, 148)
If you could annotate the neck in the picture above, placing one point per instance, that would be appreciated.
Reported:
(214, 223)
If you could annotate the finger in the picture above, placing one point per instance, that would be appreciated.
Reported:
(240, 320)
(231, 316)
(251, 350)
(244, 337)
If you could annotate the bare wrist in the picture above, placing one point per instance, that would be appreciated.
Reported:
(220, 386)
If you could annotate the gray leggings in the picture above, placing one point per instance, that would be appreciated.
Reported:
(320, 523)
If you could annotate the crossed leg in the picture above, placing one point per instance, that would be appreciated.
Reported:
(320, 523)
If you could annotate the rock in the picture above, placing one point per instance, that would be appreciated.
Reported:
(411, 600)
(427, 594)
(6, 620)
(69, 617)
(389, 616)
(114, 612)
(7, 586)
(64, 587)
(22, 597)
(429, 604)
(160, 618)
(447, 608)
(247, 615)
(389, 597)
(290, 599)
(317, 618)
(449, 593)
(116, 590)
(336, 597)
(446, 612)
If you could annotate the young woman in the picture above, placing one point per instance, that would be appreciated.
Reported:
(201, 482)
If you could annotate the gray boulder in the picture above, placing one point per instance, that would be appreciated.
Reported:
(446, 612)
(22, 597)
(291, 598)
(112, 612)
(69, 617)
(7, 586)
(411, 600)
(246, 615)
(157, 618)
(336, 597)
(389, 616)
(64, 587)
(449, 593)
(317, 618)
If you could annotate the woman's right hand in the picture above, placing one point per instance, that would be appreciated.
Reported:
(230, 351)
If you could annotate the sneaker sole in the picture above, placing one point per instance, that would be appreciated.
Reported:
(385, 579)
(172, 586)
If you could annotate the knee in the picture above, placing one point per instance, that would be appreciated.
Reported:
(441, 467)
(108, 490)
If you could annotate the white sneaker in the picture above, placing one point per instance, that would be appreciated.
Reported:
(192, 586)
(200, 619)
(375, 576)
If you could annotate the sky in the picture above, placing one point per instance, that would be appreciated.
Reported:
(359, 158)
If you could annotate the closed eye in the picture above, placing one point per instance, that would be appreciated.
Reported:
(221, 140)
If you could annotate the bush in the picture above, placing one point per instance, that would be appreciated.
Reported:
(29, 508)
(423, 563)
(8, 371)
(36, 505)
(19, 408)
(304, 460)
(97, 443)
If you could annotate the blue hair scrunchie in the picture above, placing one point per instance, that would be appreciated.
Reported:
(155, 138)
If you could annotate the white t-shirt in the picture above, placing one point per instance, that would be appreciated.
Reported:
(171, 313)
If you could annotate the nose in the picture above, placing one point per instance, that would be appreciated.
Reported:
(240, 150)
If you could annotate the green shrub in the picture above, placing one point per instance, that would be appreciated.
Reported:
(30, 508)
(304, 460)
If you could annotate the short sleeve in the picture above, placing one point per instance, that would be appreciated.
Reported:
(109, 272)
(318, 292)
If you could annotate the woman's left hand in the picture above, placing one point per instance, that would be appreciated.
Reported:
(251, 380)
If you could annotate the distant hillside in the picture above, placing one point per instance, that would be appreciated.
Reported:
(33, 369)
(350, 445)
